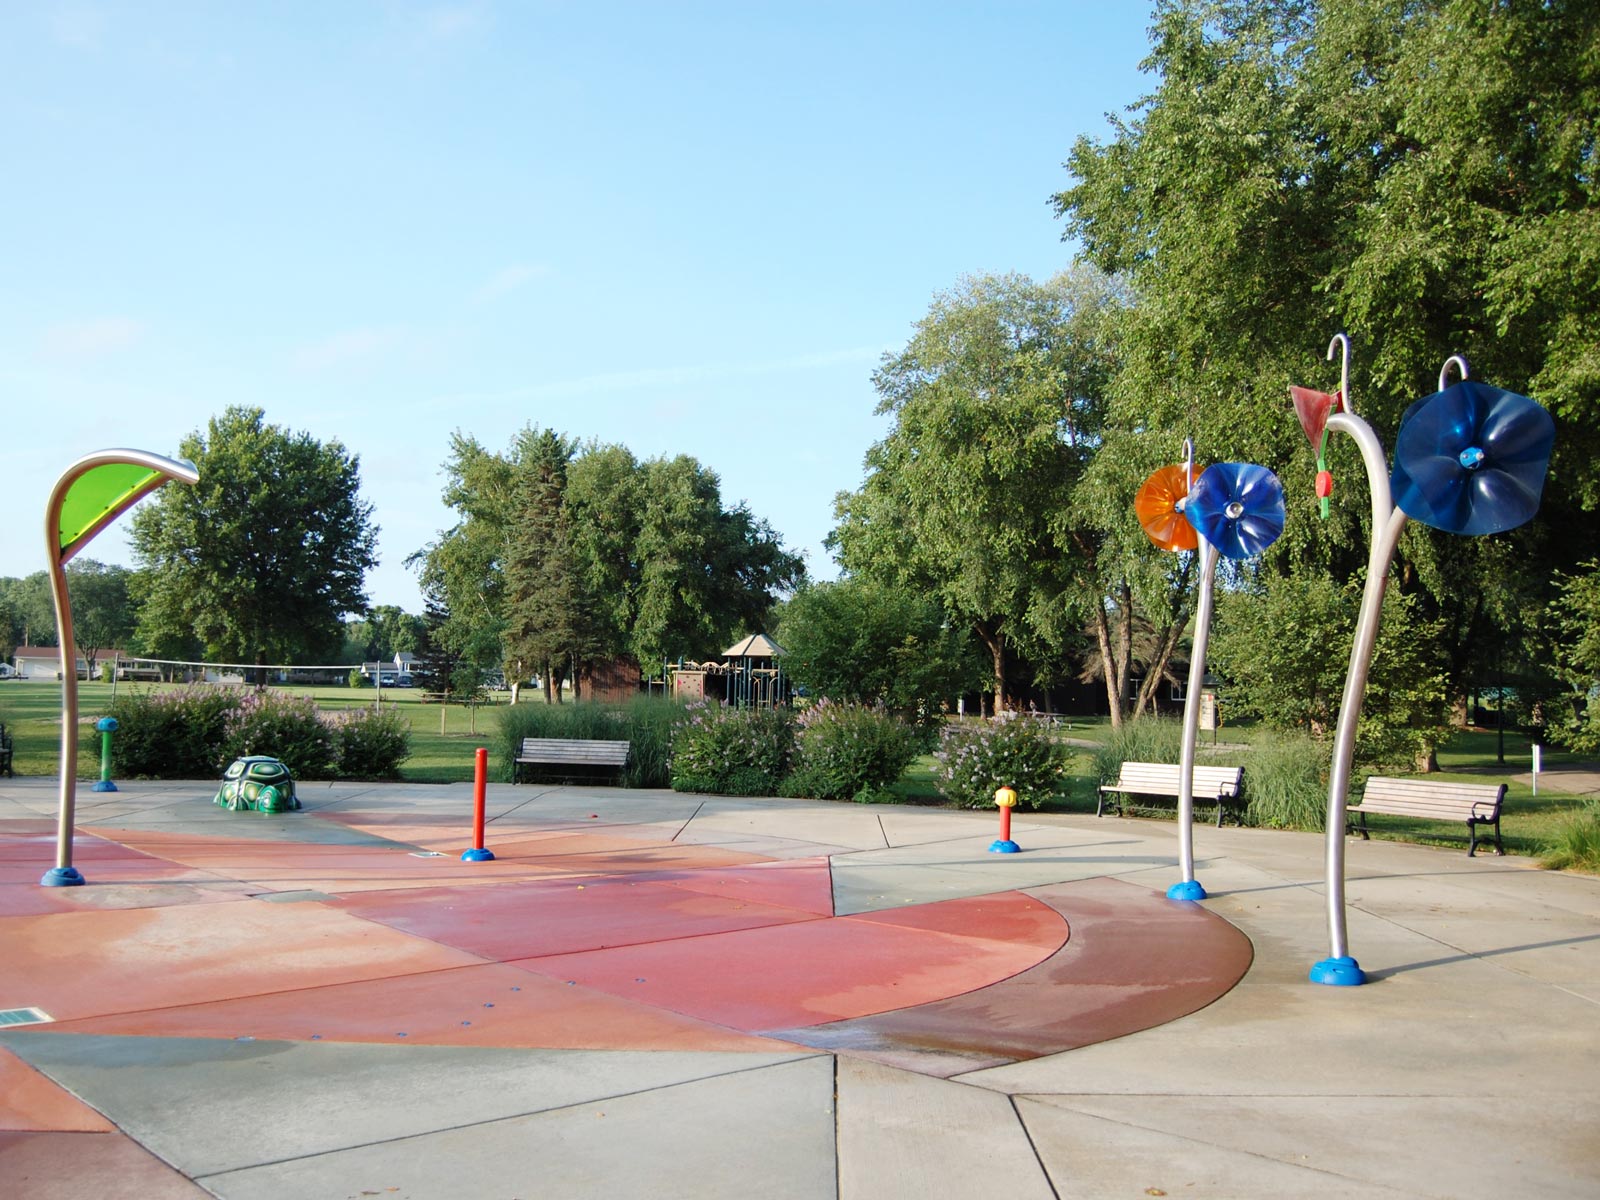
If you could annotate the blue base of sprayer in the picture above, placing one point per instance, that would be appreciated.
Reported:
(105, 785)
(1189, 889)
(1004, 846)
(1338, 972)
(478, 855)
(62, 877)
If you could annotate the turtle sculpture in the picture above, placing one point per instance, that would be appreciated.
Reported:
(257, 783)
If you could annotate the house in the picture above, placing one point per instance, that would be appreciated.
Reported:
(44, 662)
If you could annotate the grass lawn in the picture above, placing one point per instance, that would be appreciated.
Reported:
(31, 711)
(445, 736)
(1527, 822)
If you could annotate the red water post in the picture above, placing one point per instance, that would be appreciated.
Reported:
(480, 789)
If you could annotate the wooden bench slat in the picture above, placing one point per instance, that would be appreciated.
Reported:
(574, 752)
(1165, 779)
(1436, 800)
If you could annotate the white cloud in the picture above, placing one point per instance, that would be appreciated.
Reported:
(92, 338)
(509, 280)
(354, 346)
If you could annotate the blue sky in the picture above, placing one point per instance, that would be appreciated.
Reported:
(686, 227)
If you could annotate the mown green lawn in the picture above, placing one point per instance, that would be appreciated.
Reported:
(31, 711)
(1527, 822)
(445, 736)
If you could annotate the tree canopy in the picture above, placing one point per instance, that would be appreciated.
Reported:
(977, 494)
(1420, 173)
(564, 555)
(262, 558)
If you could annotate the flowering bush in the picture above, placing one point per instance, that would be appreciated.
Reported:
(369, 743)
(288, 728)
(171, 735)
(848, 751)
(194, 733)
(1009, 750)
(732, 751)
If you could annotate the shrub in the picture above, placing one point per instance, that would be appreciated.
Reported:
(732, 751)
(1576, 845)
(848, 751)
(369, 743)
(1008, 750)
(172, 735)
(288, 728)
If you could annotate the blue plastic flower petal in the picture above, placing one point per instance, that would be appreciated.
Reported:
(1237, 507)
(1472, 459)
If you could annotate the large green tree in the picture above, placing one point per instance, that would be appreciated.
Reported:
(567, 555)
(261, 559)
(29, 611)
(997, 405)
(102, 609)
(1418, 172)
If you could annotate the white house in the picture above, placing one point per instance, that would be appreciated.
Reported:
(44, 662)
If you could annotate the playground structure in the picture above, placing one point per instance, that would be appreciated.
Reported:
(748, 675)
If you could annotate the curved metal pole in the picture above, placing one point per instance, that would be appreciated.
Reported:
(1444, 372)
(66, 789)
(1342, 341)
(64, 874)
(1187, 887)
(1373, 459)
(1341, 968)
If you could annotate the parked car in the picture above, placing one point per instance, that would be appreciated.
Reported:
(404, 680)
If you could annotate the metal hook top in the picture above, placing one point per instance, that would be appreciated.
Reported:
(1342, 340)
(1444, 371)
(1188, 463)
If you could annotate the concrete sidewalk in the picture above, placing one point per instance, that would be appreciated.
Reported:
(657, 995)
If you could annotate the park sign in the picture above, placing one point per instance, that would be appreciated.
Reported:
(91, 493)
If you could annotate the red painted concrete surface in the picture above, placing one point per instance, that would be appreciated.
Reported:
(588, 938)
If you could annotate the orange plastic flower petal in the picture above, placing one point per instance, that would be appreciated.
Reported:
(1156, 506)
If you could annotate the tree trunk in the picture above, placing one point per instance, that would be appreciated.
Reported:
(1102, 637)
(261, 669)
(995, 641)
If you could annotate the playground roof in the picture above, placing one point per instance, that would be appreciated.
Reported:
(757, 645)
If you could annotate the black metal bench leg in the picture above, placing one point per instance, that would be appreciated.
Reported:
(1472, 837)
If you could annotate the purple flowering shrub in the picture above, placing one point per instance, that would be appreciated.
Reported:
(731, 751)
(1007, 751)
(288, 728)
(848, 751)
(369, 743)
(171, 734)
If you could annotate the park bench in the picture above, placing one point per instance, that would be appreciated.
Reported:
(5, 752)
(570, 752)
(1161, 779)
(1439, 800)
